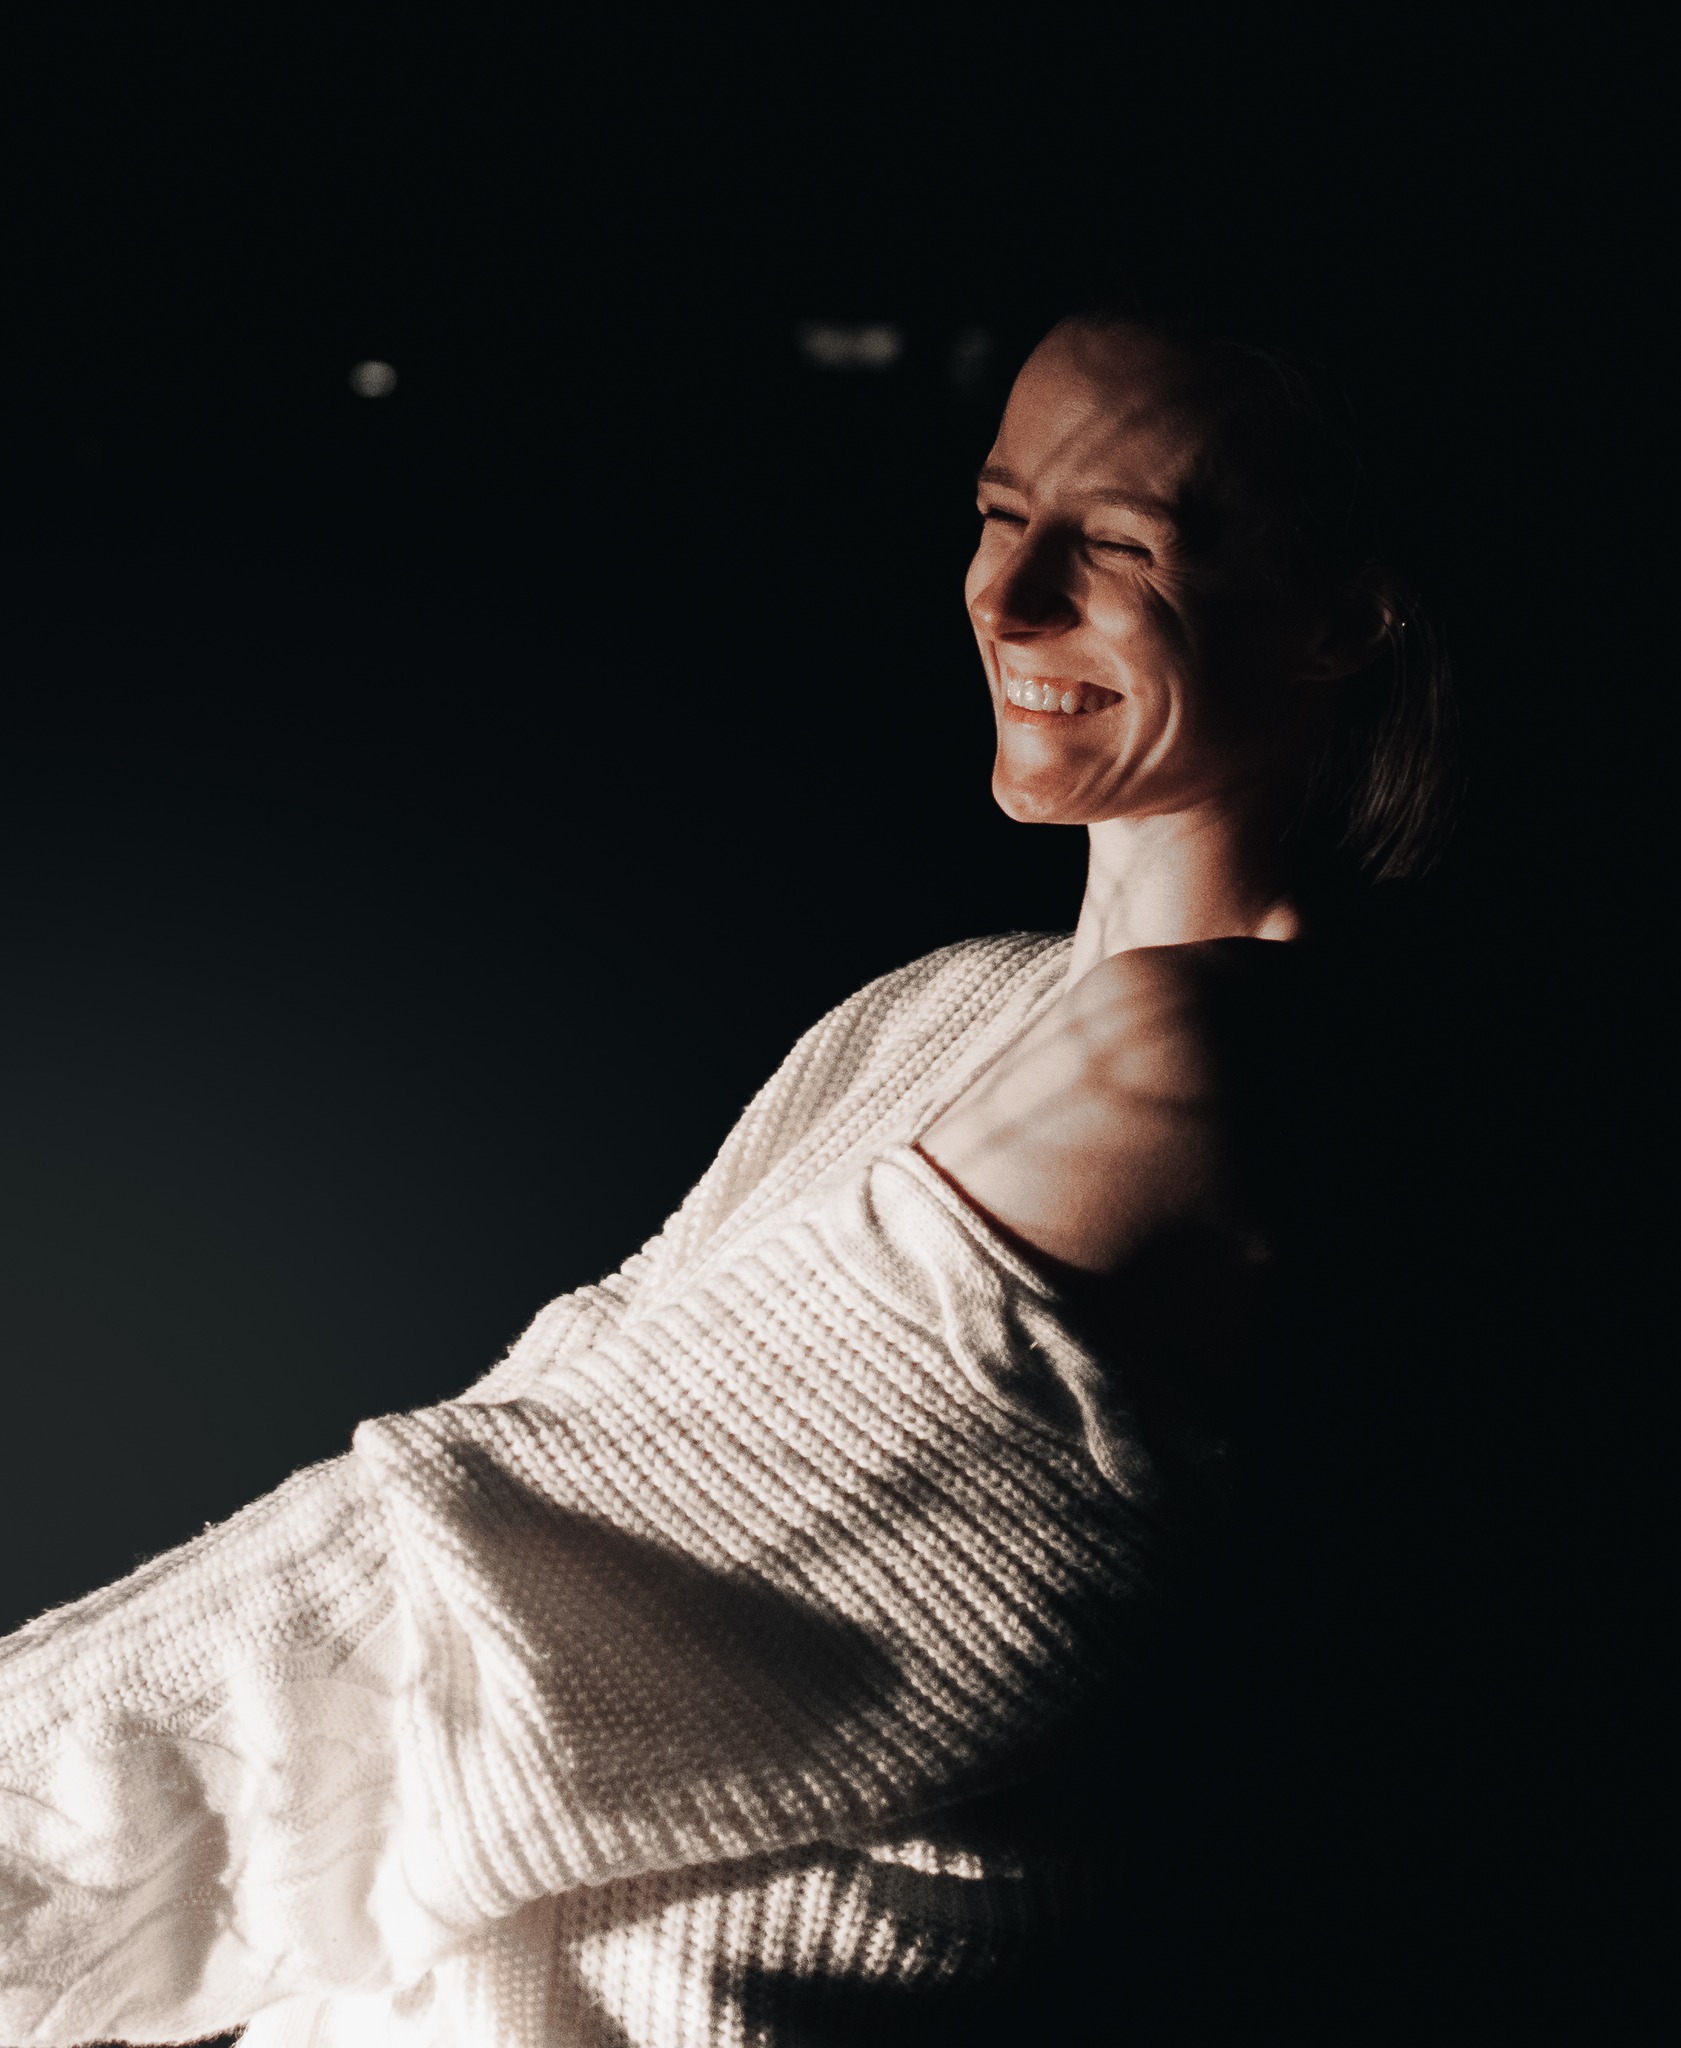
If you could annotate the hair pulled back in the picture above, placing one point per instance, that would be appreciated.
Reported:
(1384, 790)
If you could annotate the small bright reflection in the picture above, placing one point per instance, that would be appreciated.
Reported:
(373, 380)
(830, 346)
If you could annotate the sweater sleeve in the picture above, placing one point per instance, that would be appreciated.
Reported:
(843, 1530)
(834, 1062)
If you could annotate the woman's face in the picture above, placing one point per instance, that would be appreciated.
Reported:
(1145, 649)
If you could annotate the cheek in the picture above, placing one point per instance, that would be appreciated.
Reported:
(1189, 674)
(1145, 640)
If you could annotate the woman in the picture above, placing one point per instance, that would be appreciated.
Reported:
(699, 1664)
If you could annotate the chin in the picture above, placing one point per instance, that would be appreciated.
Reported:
(1053, 789)
(1027, 807)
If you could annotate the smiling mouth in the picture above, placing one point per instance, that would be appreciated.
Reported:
(1058, 695)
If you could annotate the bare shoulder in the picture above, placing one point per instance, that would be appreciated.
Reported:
(1178, 974)
(1110, 1121)
(1157, 1008)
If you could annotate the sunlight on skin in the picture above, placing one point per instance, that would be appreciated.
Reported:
(1102, 1125)
(1133, 577)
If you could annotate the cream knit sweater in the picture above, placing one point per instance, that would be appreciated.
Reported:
(571, 1711)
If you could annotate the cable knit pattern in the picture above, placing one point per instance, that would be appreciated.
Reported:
(632, 1692)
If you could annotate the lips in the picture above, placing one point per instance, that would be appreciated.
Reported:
(1058, 696)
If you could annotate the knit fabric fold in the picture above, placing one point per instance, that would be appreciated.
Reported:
(633, 1685)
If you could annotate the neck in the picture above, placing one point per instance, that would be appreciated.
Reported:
(1178, 878)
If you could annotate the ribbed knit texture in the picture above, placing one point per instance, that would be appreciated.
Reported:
(595, 1705)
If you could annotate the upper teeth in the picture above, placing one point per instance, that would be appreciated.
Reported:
(1033, 696)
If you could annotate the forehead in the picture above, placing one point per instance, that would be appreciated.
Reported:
(1118, 408)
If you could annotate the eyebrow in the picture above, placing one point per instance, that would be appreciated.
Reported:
(1130, 501)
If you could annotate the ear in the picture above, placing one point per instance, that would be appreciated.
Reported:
(1356, 623)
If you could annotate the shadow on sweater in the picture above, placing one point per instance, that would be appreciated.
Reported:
(1285, 1820)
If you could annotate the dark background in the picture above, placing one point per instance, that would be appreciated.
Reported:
(428, 819)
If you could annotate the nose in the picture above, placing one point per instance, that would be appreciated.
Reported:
(1030, 594)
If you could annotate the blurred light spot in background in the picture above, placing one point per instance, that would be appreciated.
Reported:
(373, 380)
(829, 346)
(971, 353)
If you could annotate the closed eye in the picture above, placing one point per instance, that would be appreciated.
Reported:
(998, 515)
(1122, 547)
